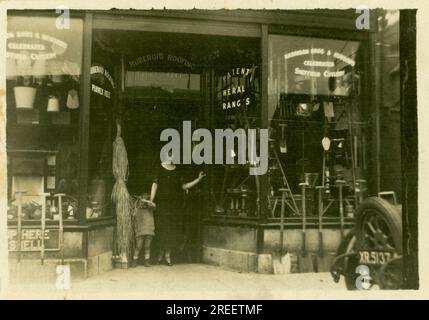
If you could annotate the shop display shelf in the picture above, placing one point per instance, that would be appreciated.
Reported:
(19, 126)
(42, 151)
(310, 222)
(36, 222)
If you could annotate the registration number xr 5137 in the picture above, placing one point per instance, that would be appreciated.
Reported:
(370, 257)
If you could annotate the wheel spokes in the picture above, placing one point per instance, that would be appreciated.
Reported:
(377, 233)
(371, 227)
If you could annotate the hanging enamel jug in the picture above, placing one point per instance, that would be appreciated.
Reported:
(72, 99)
(53, 104)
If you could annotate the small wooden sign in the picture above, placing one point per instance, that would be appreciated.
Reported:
(31, 239)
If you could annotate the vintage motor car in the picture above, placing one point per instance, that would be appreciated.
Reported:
(370, 256)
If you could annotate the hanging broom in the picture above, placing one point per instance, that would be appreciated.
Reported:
(121, 198)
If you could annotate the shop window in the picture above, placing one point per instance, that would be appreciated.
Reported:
(316, 124)
(235, 193)
(102, 130)
(43, 110)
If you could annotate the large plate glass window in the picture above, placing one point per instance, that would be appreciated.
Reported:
(316, 123)
(102, 131)
(43, 108)
(235, 193)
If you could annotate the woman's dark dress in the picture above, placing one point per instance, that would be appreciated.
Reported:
(169, 207)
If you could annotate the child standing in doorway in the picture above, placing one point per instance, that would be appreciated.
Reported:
(144, 228)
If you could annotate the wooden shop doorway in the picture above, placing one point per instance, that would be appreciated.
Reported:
(168, 78)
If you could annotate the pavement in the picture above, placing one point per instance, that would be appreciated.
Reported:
(182, 281)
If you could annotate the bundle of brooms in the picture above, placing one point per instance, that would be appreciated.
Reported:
(121, 198)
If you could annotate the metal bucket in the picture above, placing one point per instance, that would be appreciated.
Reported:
(24, 97)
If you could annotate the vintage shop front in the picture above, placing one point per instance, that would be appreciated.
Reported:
(304, 75)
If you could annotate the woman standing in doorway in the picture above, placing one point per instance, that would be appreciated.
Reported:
(167, 193)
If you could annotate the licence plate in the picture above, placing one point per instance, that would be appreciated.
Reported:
(370, 257)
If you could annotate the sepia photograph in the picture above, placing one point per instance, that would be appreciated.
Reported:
(208, 153)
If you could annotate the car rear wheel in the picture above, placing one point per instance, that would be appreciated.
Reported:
(379, 229)
(379, 226)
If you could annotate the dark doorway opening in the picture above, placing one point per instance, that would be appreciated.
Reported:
(163, 82)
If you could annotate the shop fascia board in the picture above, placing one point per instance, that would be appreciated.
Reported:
(318, 18)
(176, 25)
